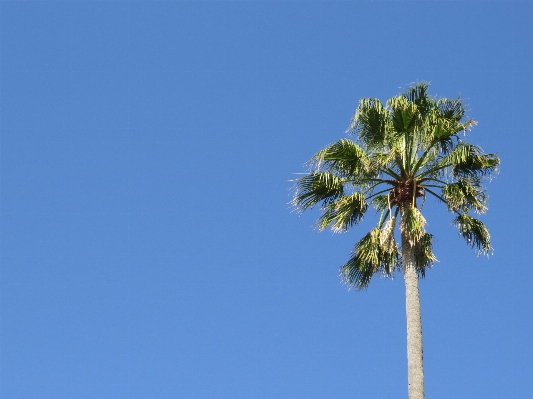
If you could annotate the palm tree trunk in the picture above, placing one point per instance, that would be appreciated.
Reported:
(415, 365)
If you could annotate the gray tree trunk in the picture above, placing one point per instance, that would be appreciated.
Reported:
(415, 365)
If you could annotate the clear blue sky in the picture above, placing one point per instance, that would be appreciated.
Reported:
(147, 248)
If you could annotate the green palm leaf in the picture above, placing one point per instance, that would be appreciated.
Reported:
(404, 114)
(423, 254)
(364, 262)
(315, 188)
(343, 213)
(369, 122)
(465, 194)
(451, 109)
(474, 232)
(344, 158)
(418, 94)
(467, 160)
(380, 202)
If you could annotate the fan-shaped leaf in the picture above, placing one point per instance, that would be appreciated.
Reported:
(344, 158)
(474, 232)
(418, 94)
(465, 194)
(424, 257)
(451, 109)
(404, 114)
(343, 213)
(365, 261)
(315, 188)
(470, 161)
(370, 122)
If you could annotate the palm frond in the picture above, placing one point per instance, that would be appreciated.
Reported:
(478, 164)
(418, 94)
(364, 262)
(469, 160)
(404, 114)
(380, 202)
(369, 122)
(344, 158)
(451, 109)
(343, 213)
(315, 188)
(356, 272)
(439, 130)
(423, 254)
(443, 130)
(465, 194)
(381, 160)
(474, 232)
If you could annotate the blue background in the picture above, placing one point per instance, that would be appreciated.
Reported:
(147, 247)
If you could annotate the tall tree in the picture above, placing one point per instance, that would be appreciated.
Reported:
(405, 150)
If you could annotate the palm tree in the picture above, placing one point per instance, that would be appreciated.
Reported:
(404, 150)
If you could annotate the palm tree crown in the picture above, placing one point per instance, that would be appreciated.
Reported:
(404, 151)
